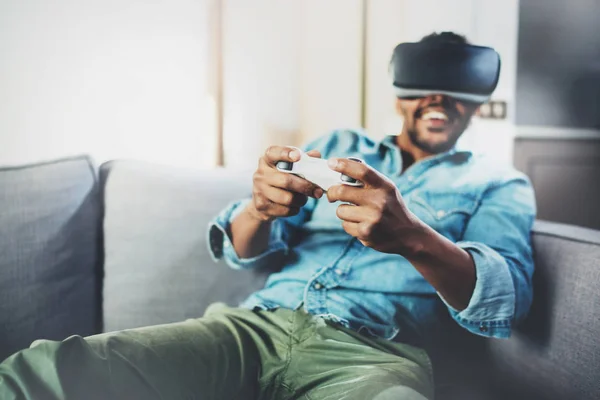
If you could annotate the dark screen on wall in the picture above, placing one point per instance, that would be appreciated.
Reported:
(558, 67)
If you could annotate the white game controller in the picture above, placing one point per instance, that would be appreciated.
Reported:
(317, 171)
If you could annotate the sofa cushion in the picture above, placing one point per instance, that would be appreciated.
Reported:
(555, 354)
(157, 265)
(49, 248)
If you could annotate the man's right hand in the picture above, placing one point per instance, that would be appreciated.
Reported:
(279, 194)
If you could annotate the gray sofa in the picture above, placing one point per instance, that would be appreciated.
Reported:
(86, 249)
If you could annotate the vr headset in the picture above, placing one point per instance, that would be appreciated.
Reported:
(465, 72)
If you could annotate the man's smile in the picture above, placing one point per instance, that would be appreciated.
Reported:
(436, 120)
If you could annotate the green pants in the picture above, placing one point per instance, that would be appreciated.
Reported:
(228, 354)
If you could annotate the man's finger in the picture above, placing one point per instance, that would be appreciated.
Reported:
(352, 213)
(347, 194)
(278, 210)
(351, 228)
(314, 153)
(360, 230)
(294, 183)
(281, 153)
(357, 170)
(284, 197)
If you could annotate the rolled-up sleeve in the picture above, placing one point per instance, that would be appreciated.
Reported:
(220, 245)
(498, 238)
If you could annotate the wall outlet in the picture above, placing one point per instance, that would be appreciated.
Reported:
(494, 109)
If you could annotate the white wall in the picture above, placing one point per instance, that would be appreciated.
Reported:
(385, 29)
(111, 78)
(260, 75)
(331, 66)
(120, 78)
(291, 72)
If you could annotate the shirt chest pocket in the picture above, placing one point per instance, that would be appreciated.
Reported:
(447, 213)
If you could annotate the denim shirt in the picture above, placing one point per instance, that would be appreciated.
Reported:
(484, 209)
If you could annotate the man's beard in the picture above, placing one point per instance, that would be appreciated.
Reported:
(449, 108)
(432, 148)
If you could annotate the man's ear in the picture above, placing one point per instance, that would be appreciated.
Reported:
(399, 108)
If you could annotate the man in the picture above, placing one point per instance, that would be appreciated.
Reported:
(365, 273)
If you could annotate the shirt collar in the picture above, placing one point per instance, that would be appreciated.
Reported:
(458, 152)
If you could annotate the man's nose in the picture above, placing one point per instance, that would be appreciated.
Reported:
(438, 99)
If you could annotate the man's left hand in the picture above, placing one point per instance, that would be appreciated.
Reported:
(377, 215)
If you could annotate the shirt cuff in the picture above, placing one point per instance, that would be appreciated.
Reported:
(490, 311)
(220, 246)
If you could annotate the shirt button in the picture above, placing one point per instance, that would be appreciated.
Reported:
(226, 244)
(441, 213)
(338, 271)
(318, 286)
(411, 178)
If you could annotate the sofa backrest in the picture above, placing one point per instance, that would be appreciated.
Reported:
(157, 265)
(49, 252)
(555, 354)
